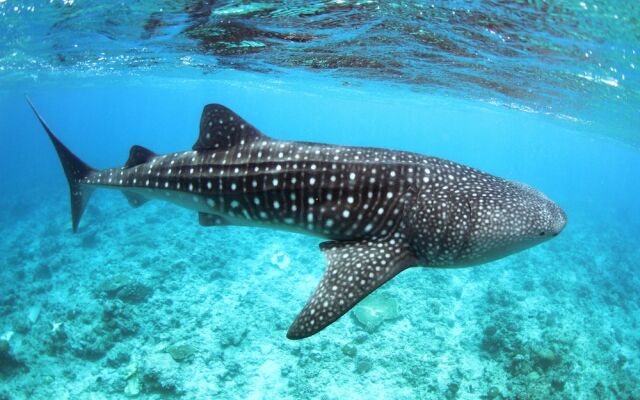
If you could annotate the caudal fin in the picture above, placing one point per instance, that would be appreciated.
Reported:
(75, 169)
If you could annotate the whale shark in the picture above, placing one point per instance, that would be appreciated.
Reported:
(381, 211)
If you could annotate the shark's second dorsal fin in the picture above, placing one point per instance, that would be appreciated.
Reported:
(354, 269)
(138, 155)
(221, 128)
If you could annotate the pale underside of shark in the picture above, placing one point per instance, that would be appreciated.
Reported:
(382, 210)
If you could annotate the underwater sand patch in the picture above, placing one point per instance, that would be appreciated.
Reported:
(281, 260)
(374, 310)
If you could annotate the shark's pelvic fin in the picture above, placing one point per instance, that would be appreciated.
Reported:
(74, 168)
(221, 128)
(354, 269)
(134, 199)
(211, 220)
(138, 155)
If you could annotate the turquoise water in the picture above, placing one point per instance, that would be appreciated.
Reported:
(146, 303)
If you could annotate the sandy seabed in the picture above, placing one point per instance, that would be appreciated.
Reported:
(145, 303)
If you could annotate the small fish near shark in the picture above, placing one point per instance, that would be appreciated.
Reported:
(382, 211)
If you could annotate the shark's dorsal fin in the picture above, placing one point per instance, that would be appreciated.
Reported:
(354, 269)
(221, 128)
(138, 155)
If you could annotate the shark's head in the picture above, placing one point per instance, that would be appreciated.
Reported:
(483, 224)
(518, 218)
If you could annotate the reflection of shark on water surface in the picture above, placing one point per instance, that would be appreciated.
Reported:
(383, 211)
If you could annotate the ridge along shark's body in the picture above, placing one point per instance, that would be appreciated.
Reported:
(383, 210)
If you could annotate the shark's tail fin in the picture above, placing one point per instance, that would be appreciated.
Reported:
(75, 169)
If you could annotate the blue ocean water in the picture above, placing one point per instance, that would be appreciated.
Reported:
(147, 303)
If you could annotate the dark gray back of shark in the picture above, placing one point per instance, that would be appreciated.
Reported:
(383, 210)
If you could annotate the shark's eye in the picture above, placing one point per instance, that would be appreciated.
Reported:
(541, 233)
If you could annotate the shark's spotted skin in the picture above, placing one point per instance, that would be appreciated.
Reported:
(383, 210)
(328, 190)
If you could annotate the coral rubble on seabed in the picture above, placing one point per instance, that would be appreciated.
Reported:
(152, 305)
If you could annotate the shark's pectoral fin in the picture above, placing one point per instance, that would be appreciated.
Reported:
(221, 128)
(354, 269)
(211, 220)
